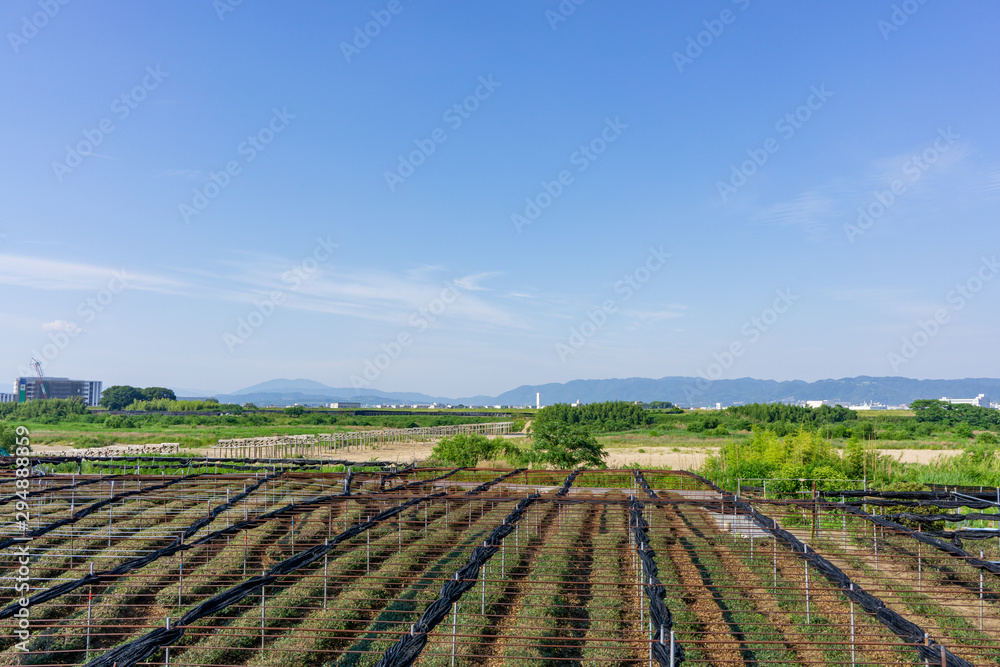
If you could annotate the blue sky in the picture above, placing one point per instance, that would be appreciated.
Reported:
(207, 195)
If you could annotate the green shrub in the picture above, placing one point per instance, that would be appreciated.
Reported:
(465, 449)
(963, 431)
(986, 438)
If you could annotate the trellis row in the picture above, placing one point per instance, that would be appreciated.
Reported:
(314, 445)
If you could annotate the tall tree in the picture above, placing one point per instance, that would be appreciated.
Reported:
(119, 396)
(155, 393)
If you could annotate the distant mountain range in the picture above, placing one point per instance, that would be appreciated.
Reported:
(683, 391)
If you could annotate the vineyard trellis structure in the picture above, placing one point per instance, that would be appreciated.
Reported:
(290, 565)
(328, 444)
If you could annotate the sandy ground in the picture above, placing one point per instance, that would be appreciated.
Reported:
(618, 457)
(919, 455)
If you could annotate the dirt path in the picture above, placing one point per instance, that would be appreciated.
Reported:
(508, 608)
(730, 646)
(823, 601)
(877, 584)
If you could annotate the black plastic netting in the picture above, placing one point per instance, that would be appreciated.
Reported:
(93, 507)
(910, 632)
(659, 614)
(189, 462)
(176, 545)
(947, 504)
(934, 518)
(141, 466)
(50, 489)
(422, 482)
(986, 494)
(179, 545)
(932, 540)
(387, 476)
(409, 646)
(139, 649)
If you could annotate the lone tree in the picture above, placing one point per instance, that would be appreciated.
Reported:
(563, 445)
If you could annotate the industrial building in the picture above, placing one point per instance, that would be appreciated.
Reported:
(343, 405)
(981, 401)
(33, 388)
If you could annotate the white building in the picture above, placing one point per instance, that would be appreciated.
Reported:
(8, 398)
(980, 401)
(341, 406)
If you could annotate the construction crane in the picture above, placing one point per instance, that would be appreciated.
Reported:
(41, 379)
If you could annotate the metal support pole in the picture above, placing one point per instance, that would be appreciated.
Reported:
(875, 542)
(775, 564)
(980, 594)
(920, 569)
(852, 628)
(180, 573)
(90, 604)
(808, 614)
(454, 630)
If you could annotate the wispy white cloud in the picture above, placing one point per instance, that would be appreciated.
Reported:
(811, 211)
(991, 183)
(827, 205)
(61, 325)
(471, 282)
(54, 274)
(366, 294)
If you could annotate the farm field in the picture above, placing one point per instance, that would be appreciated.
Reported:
(281, 564)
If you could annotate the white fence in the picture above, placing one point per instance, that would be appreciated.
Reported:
(318, 445)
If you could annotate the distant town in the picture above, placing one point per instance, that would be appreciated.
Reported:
(28, 388)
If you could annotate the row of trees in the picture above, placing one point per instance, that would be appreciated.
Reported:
(607, 416)
(121, 396)
(769, 413)
(940, 412)
(50, 411)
